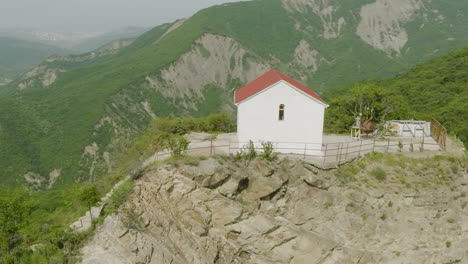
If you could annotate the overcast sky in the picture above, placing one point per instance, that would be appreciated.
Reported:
(95, 15)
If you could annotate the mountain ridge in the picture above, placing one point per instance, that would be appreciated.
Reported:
(17, 56)
(76, 122)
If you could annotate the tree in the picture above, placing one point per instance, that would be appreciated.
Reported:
(177, 145)
(16, 206)
(373, 102)
(89, 196)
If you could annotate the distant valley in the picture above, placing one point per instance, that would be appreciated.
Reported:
(22, 50)
(17, 56)
(73, 42)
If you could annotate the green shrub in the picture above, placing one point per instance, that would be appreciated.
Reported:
(213, 123)
(192, 160)
(177, 145)
(120, 194)
(348, 172)
(217, 123)
(383, 217)
(379, 173)
(450, 220)
(374, 156)
(268, 151)
(248, 151)
(89, 196)
(137, 172)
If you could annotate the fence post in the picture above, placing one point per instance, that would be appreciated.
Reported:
(388, 145)
(305, 150)
(444, 138)
(360, 147)
(211, 147)
(337, 151)
(340, 150)
(373, 146)
(347, 150)
(324, 155)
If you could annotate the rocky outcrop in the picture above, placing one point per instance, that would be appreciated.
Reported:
(47, 73)
(306, 60)
(325, 10)
(222, 211)
(39, 182)
(382, 22)
(4, 81)
(213, 60)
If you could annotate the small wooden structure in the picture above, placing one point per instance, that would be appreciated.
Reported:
(355, 133)
(356, 129)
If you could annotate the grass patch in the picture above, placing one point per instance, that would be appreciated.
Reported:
(120, 195)
(379, 174)
(348, 172)
(383, 217)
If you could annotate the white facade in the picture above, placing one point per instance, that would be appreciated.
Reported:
(302, 128)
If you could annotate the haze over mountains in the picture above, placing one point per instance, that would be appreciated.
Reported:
(69, 115)
(21, 50)
(73, 42)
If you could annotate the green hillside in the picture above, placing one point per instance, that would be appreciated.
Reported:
(439, 89)
(18, 56)
(104, 103)
(434, 89)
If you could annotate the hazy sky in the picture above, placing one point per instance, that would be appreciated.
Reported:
(95, 15)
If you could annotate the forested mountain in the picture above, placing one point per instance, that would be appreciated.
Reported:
(18, 56)
(69, 127)
(434, 89)
(439, 89)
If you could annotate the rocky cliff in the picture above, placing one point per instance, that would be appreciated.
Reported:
(225, 211)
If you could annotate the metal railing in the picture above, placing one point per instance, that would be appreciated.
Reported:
(326, 155)
(439, 133)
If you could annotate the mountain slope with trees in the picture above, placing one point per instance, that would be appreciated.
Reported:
(434, 89)
(73, 125)
(18, 56)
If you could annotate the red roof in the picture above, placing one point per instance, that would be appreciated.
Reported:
(267, 80)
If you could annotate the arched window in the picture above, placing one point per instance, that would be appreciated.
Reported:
(281, 112)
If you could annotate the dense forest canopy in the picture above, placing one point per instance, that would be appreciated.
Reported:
(435, 89)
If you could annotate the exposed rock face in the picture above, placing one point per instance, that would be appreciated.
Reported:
(332, 24)
(174, 26)
(279, 212)
(306, 60)
(381, 24)
(40, 182)
(4, 81)
(213, 60)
